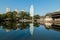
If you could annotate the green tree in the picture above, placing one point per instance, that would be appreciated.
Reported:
(3, 16)
(24, 15)
(9, 15)
(36, 16)
(14, 15)
(0, 16)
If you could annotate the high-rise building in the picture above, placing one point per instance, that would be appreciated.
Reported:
(8, 10)
(31, 10)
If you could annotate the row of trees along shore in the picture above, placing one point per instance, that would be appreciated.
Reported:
(13, 16)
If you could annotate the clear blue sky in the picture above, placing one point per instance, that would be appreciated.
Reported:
(41, 6)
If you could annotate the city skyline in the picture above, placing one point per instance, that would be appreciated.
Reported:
(40, 7)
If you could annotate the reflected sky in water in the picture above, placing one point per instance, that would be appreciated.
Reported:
(41, 32)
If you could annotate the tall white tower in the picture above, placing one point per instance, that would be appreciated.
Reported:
(32, 11)
(8, 10)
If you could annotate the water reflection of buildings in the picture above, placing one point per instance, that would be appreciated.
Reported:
(55, 27)
(23, 26)
(52, 26)
(31, 28)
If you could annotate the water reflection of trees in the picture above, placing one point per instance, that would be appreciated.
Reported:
(36, 24)
(17, 25)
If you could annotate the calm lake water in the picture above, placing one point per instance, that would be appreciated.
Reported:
(40, 32)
